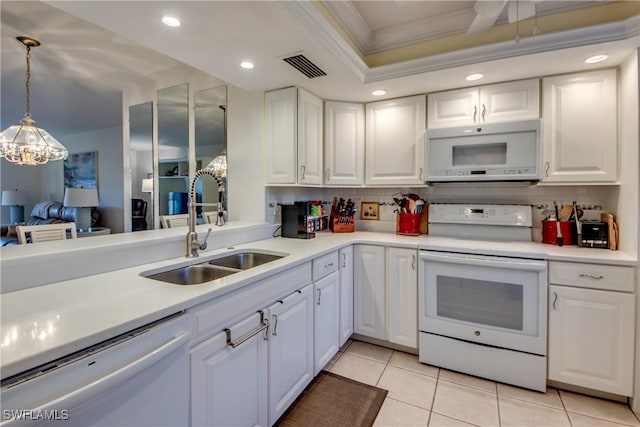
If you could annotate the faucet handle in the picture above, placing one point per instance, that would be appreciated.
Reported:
(203, 245)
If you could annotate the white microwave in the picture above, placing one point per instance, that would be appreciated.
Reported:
(490, 152)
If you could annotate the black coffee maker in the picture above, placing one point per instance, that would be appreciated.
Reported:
(296, 221)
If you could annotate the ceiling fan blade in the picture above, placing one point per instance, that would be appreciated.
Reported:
(487, 11)
(521, 9)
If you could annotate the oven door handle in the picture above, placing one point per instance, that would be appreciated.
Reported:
(485, 261)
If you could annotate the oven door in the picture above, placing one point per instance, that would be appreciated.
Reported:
(497, 301)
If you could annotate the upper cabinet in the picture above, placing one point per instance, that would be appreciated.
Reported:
(503, 102)
(294, 137)
(394, 141)
(344, 143)
(580, 127)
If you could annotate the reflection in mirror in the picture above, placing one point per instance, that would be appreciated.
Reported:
(173, 150)
(210, 142)
(141, 164)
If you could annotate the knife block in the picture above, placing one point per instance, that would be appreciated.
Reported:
(343, 228)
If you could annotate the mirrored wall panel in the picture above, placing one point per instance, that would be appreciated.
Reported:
(173, 150)
(141, 165)
(211, 147)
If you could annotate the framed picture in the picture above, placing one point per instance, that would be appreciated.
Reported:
(81, 170)
(370, 211)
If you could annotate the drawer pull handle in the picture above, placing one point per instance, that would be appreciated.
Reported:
(328, 265)
(555, 299)
(590, 276)
(264, 324)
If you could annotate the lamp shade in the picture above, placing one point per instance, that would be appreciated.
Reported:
(13, 198)
(80, 197)
(147, 185)
(219, 165)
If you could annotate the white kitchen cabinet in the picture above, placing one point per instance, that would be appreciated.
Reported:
(369, 291)
(580, 142)
(402, 296)
(591, 336)
(229, 382)
(344, 143)
(394, 141)
(502, 102)
(294, 127)
(290, 349)
(346, 293)
(326, 319)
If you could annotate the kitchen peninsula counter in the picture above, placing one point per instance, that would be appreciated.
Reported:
(43, 323)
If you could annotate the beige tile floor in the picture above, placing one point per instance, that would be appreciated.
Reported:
(422, 395)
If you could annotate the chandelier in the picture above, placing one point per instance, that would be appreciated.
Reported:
(26, 144)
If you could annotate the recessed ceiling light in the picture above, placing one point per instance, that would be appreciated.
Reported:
(595, 58)
(472, 77)
(379, 92)
(246, 64)
(170, 21)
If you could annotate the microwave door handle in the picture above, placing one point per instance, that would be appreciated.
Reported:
(108, 382)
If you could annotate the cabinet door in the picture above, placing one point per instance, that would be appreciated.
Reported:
(290, 350)
(511, 101)
(281, 133)
(394, 141)
(346, 293)
(369, 291)
(453, 108)
(310, 141)
(229, 385)
(344, 143)
(591, 335)
(326, 319)
(402, 296)
(580, 127)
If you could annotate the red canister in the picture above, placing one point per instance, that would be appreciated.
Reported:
(550, 232)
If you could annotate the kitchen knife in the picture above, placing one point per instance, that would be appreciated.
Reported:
(559, 240)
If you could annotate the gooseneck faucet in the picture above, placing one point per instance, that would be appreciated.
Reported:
(192, 242)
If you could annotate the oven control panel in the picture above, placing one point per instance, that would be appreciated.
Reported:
(506, 215)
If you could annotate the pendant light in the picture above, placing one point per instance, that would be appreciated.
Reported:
(26, 144)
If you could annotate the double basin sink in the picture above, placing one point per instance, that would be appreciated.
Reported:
(213, 268)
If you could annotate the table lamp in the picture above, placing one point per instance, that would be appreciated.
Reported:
(83, 199)
(16, 200)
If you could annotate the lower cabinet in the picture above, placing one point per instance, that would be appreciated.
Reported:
(402, 296)
(326, 310)
(290, 350)
(386, 294)
(345, 257)
(591, 338)
(229, 374)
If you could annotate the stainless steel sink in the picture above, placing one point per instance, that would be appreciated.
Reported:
(192, 274)
(244, 260)
(212, 269)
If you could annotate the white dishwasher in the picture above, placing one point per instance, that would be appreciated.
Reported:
(140, 378)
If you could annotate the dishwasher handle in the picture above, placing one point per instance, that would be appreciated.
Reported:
(104, 384)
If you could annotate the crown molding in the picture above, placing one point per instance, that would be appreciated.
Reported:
(350, 19)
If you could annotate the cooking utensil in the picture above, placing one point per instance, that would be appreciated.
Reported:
(559, 240)
(578, 223)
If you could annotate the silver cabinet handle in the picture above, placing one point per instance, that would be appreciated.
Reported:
(555, 298)
(546, 169)
(484, 110)
(413, 262)
(420, 175)
(344, 260)
(328, 265)
(590, 276)
(475, 113)
(328, 174)
(303, 170)
(319, 296)
(275, 325)
(264, 324)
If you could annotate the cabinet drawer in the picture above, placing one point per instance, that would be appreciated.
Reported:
(608, 277)
(324, 265)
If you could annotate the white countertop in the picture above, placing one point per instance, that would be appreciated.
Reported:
(47, 322)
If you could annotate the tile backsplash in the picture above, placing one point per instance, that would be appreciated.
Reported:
(593, 199)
